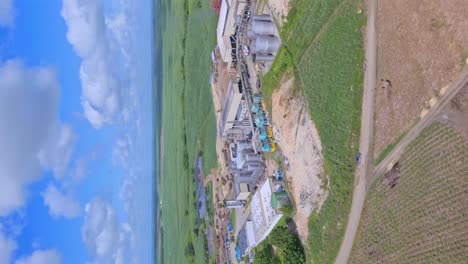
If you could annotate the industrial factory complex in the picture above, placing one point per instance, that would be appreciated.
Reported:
(247, 43)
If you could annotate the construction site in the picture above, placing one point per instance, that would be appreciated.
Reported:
(252, 189)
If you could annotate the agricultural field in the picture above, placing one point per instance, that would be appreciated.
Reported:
(419, 53)
(188, 123)
(200, 119)
(417, 213)
(322, 48)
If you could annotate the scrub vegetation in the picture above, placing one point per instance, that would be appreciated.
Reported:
(417, 213)
(281, 246)
(188, 123)
(322, 48)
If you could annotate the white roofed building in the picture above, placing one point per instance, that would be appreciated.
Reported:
(229, 13)
(263, 216)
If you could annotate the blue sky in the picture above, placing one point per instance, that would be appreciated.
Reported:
(76, 131)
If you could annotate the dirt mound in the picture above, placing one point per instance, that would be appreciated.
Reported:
(300, 143)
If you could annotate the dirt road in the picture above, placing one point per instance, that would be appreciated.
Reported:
(365, 176)
(431, 116)
(365, 143)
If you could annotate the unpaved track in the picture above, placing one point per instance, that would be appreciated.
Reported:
(365, 176)
(430, 117)
(367, 118)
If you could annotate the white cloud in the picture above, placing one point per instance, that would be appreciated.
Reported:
(101, 41)
(121, 152)
(61, 205)
(58, 153)
(6, 13)
(41, 257)
(107, 240)
(28, 131)
(79, 170)
(7, 247)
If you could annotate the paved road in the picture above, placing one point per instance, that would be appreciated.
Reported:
(433, 115)
(365, 143)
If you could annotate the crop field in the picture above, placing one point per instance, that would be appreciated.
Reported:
(422, 52)
(322, 48)
(200, 118)
(188, 123)
(418, 213)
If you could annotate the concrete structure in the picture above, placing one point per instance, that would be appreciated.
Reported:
(234, 122)
(263, 216)
(244, 193)
(229, 13)
(246, 166)
(246, 238)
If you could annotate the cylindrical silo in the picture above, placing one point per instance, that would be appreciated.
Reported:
(266, 44)
(251, 157)
(262, 18)
(263, 28)
(264, 57)
(253, 167)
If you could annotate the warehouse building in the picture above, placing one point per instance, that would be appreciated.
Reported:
(234, 122)
(230, 12)
(263, 216)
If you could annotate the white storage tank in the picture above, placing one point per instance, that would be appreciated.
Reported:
(263, 28)
(264, 57)
(263, 18)
(264, 44)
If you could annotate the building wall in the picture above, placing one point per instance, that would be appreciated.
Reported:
(231, 106)
(264, 217)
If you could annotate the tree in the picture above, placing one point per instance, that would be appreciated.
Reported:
(190, 250)
(289, 249)
(215, 5)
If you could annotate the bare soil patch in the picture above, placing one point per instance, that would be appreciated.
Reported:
(280, 9)
(300, 143)
(422, 47)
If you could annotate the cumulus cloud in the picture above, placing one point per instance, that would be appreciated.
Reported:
(28, 129)
(6, 13)
(61, 205)
(58, 152)
(121, 152)
(41, 257)
(7, 247)
(106, 238)
(100, 41)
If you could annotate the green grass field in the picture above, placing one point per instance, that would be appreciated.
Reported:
(188, 121)
(423, 219)
(322, 48)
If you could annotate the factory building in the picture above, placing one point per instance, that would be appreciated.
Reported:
(246, 166)
(230, 11)
(263, 216)
(234, 122)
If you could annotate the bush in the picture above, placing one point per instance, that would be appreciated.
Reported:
(288, 248)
